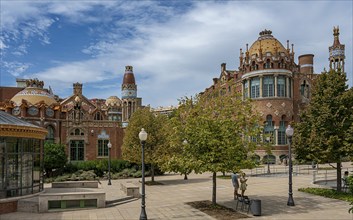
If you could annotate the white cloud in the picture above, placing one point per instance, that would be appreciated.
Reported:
(15, 68)
(177, 52)
(2, 44)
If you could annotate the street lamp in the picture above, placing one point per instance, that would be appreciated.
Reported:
(109, 147)
(289, 133)
(143, 137)
(268, 155)
(185, 142)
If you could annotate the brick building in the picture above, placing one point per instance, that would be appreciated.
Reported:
(84, 125)
(279, 87)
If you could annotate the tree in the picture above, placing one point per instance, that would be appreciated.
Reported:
(176, 158)
(156, 139)
(54, 157)
(325, 131)
(218, 129)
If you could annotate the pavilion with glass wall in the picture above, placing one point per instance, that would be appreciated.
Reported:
(21, 160)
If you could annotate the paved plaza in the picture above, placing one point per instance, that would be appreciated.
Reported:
(168, 201)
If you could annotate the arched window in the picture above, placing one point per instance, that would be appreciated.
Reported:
(255, 87)
(281, 86)
(77, 131)
(269, 127)
(98, 116)
(267, 87)
(282, 131)
(254, 66)
(267, 64)
(282, 65)
(50, 135)
(304, 89)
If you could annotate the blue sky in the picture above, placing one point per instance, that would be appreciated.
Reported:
(175, 47)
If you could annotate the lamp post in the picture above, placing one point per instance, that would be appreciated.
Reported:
(109, 178)
(268, 162)
(289, 133)
(143, 137)
(185, 142)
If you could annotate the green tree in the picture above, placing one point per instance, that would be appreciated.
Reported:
(176, 158)
(156, 139)
(325, 131)
(218, 130)
(54, 157)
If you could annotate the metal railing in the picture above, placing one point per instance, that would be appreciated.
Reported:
(323, 172)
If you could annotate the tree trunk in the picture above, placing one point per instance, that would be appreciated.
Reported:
(185, 176)
(339, 177)
(214, 188)
(152, 172)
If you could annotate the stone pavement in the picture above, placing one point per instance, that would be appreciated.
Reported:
(168, 201)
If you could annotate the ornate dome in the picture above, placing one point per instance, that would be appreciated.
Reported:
(34, 93)
(267, 43)
(113, 101)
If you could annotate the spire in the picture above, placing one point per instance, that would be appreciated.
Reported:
(336, 52)
(241, 57)
(336, 34)
(129, 88)
(247, 54)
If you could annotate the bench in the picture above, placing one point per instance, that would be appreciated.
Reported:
(71, 201)
(75, 184)
(130, 189)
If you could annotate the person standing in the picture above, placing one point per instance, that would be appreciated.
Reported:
(243, 183)
(235, 183)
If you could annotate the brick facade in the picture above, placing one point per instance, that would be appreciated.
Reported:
(75, 121)
(280, 88)
(7, 207)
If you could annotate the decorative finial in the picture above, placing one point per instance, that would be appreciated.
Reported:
(336, 31)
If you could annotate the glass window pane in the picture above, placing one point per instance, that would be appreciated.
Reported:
(255, 88)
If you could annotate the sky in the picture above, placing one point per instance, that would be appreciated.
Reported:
(175, 47)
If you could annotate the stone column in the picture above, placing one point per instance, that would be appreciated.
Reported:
(261, 77)
(287, 86)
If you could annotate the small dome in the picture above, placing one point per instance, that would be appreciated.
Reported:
(34, 93)
(267, 43)
(129, 77)
(113, 101)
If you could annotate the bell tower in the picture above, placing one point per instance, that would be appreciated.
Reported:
(336, 52)
(130, 101)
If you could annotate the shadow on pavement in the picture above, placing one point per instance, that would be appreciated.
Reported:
(182, 181)
(277, 205)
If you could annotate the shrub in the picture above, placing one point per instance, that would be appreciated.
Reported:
(54, 158)
(137, 174)
(350, 184)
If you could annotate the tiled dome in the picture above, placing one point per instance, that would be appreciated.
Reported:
(267, 43)
(113, 101)
(34, 93)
